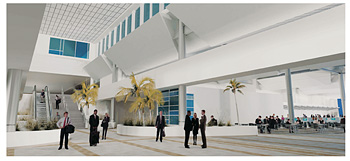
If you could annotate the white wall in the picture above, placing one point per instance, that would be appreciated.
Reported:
(42, 61)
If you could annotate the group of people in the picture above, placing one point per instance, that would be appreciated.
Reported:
(94, 121)
(190, 125)
(273, 122)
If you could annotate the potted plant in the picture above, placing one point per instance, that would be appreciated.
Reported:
(235, 87)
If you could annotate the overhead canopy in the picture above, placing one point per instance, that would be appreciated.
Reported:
(98, 68)
(147, 47)
(219, 23)
(23, 24)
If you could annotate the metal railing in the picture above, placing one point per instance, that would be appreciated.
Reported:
(48, 106)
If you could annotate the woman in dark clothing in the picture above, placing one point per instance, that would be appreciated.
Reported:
(195, 124)
(105, 126)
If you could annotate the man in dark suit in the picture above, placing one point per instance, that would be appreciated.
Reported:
(160, 124)
(187, 128)
(202, 125)
(93, 121)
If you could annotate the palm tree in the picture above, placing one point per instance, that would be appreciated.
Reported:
(138, 88)
(88, 94)
(235, 86)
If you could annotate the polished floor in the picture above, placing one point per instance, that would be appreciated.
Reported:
(280, 143)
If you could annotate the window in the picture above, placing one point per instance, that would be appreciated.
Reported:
(190, 103)
(129, 24)
(165, 5)
(171, 106)
(112, 38)
(82, 50)
(123, 29)
(69, 48)
(118, 33)
(146, 12)
(155, 8)
(103, 45)
(107, 40)
(137, 18)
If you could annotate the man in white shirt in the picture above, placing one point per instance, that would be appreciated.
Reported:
(62, 123)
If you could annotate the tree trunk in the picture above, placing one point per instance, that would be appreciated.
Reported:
(237, 109)
(143, 118)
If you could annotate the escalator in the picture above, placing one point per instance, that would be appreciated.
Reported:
(42, 110)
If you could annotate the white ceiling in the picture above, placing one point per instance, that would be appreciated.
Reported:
(80, 21)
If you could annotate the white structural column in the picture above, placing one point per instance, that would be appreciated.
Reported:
(290, 96)
(112, 122)
(342, 90)
(182, 88)
(14, 79)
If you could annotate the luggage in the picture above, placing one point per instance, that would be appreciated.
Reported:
(163, 133)
(95, 137)
(70, 129)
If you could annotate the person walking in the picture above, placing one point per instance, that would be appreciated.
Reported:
(187, 128)
(94, 121)
(202, 125)
(58, 101)
(62, 123)
(160, 124)
(195, 124)
(104, 124)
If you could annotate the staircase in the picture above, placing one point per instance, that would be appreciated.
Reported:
(73, 113)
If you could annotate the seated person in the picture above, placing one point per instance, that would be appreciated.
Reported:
(342, 122)
(266, 120)
(278, 122)
(289, 123)
(258, 123)
(272, 123)
(213, 121)
(321, 121)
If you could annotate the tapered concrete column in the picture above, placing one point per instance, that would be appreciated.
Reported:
(14, 79)
(182, 88)
(182, 104)
(290, 96)
(111, 115)
(342, 91)
(182, 51)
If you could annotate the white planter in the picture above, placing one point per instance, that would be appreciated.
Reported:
(179, 130)
(26, 138)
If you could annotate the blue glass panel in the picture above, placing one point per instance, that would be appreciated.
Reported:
(112, 38)
(191, 117)
(174, 113)
(164, 109)
(166, 103)
(107, 40)
(190, 109)
(155, 8)
(103, 45)
(174, 93)
(340, 109)
(82, 50)
(189, 103)
(166, 99)
(167, 121)
(129, 24)
(174, 107)
(165, 93)
(55, 43)
(69, 48)
(118, 33)
(174, 120)
(137, 18)
(146, 12)
(123, 29)
(174, 100)
(165, 5)
(56, 52)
